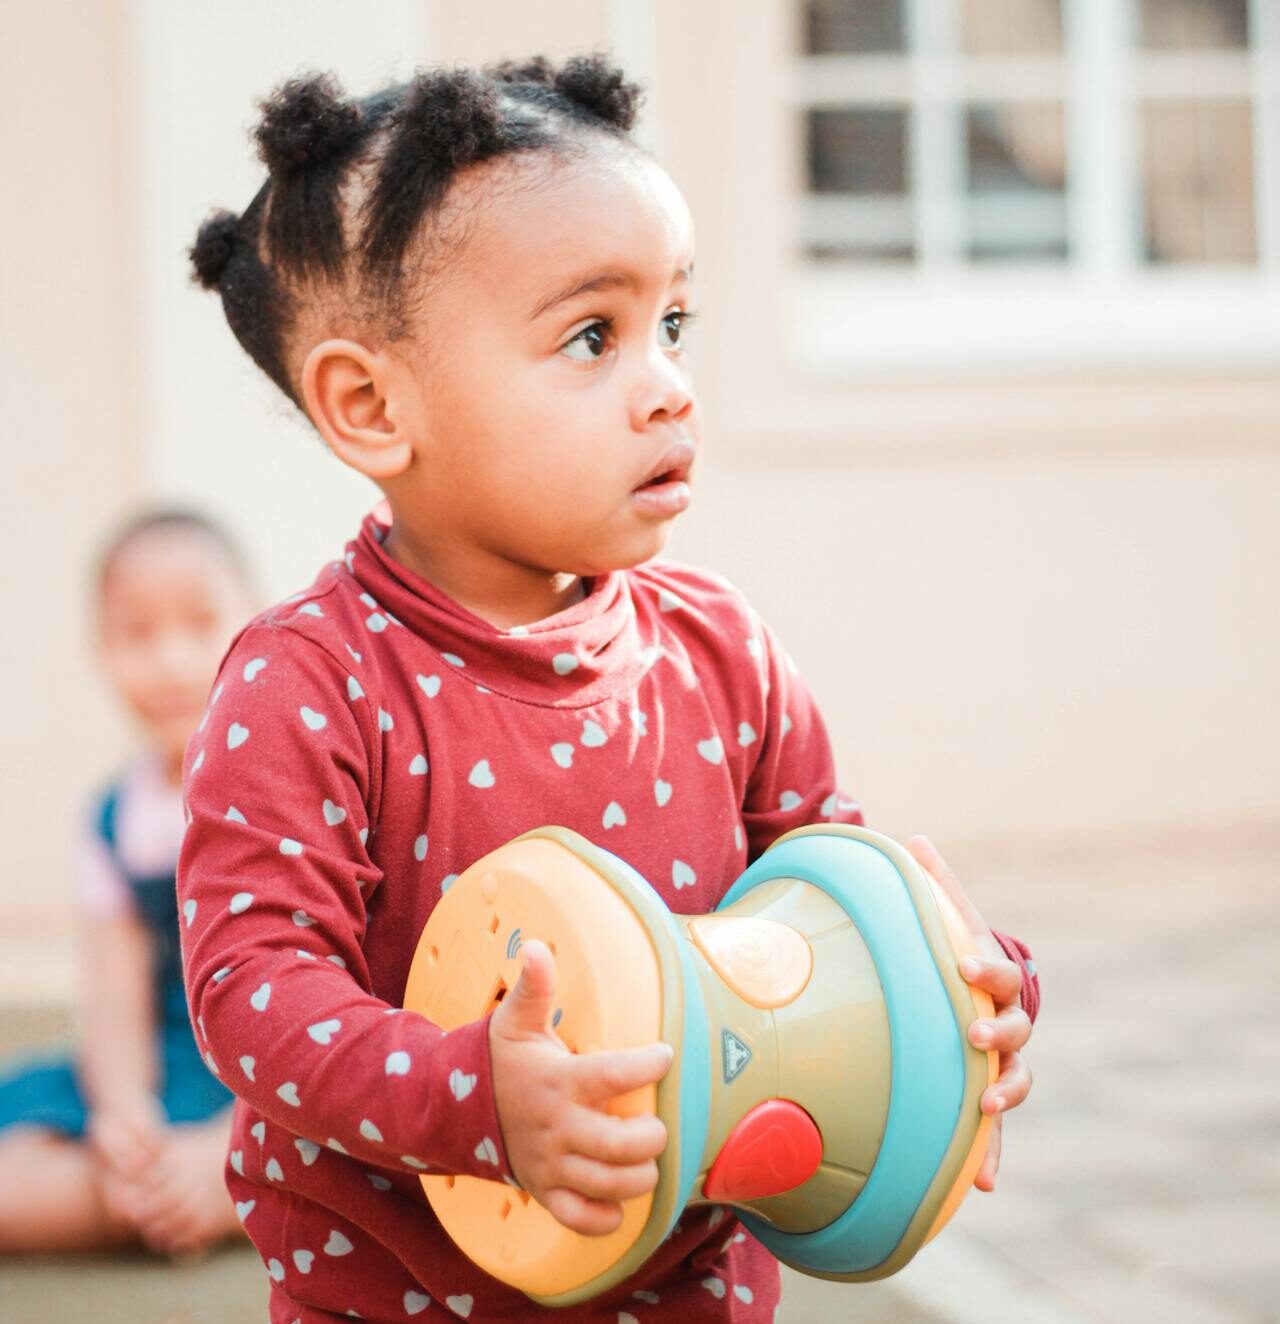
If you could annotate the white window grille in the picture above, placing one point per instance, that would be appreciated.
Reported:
(1023, 182)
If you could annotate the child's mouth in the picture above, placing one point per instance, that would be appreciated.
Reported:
(665, 494)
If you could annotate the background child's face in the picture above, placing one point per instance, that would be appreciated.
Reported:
(541, 417)
(171, 601)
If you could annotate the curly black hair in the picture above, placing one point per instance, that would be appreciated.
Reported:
(350, 183)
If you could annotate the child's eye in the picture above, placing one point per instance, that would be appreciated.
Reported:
(589, 344)
(672, 327)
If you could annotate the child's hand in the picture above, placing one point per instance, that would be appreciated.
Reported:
(180, 1203)
(126, 1134)
(578, 1161)
(1010, 1028)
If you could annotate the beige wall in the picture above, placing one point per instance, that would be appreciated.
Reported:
(1029, 607)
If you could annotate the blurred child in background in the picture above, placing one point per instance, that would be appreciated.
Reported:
(123, 1139)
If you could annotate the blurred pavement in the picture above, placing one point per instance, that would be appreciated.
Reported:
(1140, 1182)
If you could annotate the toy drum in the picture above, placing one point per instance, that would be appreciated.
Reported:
(823, 1084)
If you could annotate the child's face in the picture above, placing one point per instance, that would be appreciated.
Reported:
(171, 602)
(542, 409)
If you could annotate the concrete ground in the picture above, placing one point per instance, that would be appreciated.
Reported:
(1140, 1183)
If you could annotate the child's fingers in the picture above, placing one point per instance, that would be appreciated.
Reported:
(607, 1182)
(1011, 1088)
(1005, 1033)
(593, 1218)
(926, 854)
(599, 1077)
(986, 1178)
(999, 976)
(526, 1010)
(622, 1140)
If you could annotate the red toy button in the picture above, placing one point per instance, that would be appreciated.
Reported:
(774, 1148)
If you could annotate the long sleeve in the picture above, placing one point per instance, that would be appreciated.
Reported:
(793, 782)
(283, 783)
(1020, 954)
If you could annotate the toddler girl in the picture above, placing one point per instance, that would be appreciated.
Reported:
(477, 288)
(125, 1140)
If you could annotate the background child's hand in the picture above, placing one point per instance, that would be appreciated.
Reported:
(577, 1160)
(126, 1133)
(1008, 1031)
(180, 1203)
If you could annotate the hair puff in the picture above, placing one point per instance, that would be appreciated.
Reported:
(307, 122)
(214, 245)
(600, 88)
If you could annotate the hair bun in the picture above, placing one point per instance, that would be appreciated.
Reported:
(591, 82)
(213, 247)
(307, 122)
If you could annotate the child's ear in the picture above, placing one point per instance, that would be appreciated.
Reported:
(350, 394)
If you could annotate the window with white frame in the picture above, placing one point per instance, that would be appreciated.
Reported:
(1016, 180)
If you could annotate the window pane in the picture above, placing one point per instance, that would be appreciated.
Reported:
(1016, 204)
(854, 26)
(1011, 27)
(1198, 182)
(858, 151)
(1195, 24)
(859, 205)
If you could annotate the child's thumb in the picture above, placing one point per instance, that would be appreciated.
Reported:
(527, 1008)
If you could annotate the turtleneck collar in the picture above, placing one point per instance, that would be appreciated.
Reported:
(580, 656)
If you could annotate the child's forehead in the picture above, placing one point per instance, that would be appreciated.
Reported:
(159, 563)
(533, 233)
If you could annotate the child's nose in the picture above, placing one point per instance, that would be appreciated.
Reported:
(663, 394)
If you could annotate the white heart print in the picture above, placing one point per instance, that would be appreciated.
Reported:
(460, 1305)
(682, 875)
(273, 1171)
(661, 792)
(313, 720)
(323, 1031)
(564, 663)
(562, 753)
(487, 1152)
(481, 776)
(415, 1303)
(303, 1259)
(251, 669)
(333, 814)
(746, 734)
(236, 735)
(354, 691)
(461, 1085)
(289, 1093)
(614, 815)
(337, 1244)
(260, 996)
(369, 1131)
(593, 735)
(712, 750)
(247, 1065)
(309, 1150)
(430, 685)
(397, 1063)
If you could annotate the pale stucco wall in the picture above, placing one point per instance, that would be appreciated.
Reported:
(1030, 606)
